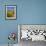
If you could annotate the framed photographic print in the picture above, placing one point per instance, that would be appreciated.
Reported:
(10, 12)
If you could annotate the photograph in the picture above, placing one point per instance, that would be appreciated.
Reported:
(10, 12)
